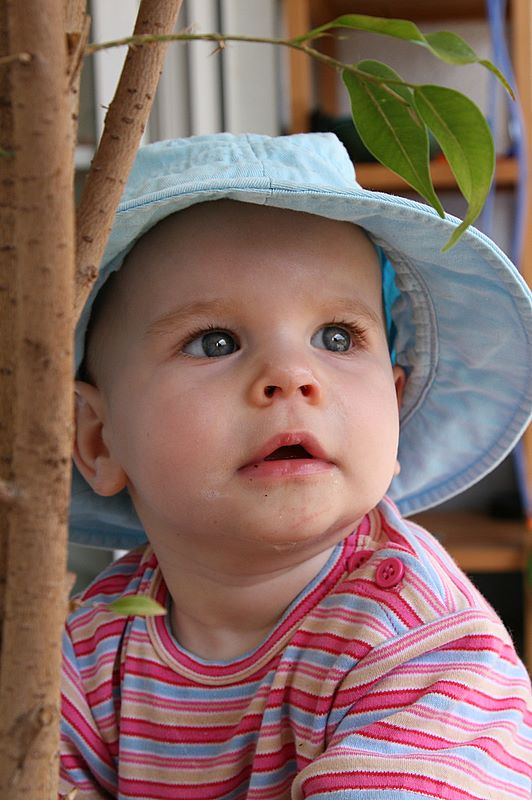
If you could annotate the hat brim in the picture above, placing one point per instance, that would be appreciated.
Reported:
(464, 324)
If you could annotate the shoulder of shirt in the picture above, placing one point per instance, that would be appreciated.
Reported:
(432, 585)
(127, 576)
(401, 595)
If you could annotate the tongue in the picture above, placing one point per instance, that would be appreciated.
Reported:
(289, 451)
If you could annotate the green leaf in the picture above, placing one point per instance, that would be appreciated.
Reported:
(399, 28)
(390, 127)
(445, 45)
(465, 139)
(137, 606)
(498, 73)
(452, 49)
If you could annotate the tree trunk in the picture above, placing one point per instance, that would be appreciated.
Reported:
(7, 299)
(44, 251)
(124, 125)
(37, 210)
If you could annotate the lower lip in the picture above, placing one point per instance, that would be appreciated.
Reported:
(286, 468)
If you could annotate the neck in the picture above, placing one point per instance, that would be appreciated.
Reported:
(219, 616)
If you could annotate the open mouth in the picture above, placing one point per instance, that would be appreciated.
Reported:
(288, 456)
(293, 451)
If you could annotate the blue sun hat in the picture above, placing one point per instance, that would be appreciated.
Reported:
(462, 319)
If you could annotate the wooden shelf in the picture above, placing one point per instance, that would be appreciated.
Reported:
(378, 178)
(325, 10)
(479, 543)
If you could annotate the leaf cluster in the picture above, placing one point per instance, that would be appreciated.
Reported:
(393, 117)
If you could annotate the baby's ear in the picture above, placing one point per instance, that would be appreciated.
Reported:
(399, 377)
(91, 454)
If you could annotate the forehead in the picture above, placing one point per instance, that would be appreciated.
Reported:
(226, 244)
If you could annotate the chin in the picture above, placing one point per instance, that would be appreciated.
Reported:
(305, 532)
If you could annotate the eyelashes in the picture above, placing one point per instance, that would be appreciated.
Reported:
(359, 334)
(211, 341)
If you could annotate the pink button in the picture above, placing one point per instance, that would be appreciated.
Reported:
(359, 558)
(389, 573)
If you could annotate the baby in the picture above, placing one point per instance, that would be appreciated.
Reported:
(260, 326)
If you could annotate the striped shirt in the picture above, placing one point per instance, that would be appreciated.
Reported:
(388, 677)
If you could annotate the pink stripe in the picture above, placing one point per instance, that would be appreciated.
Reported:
(476, 642)
(177, 734)
(266, 762)
(377, 700)
(475, 698)
(426, 740)
(208, 706)
(431, 599)
(513, 686)
(101, 694)
(104, 630)
(329, 781)
(461, 723)
(334, 645)
(271, 792)
(174, 791)
(141, 666)
(112, 585)
(389, 599)
(316, 672)
(424, 633)
(347, 615)
(98, 668)
(449, 567)
(243, 756)
(88, 734)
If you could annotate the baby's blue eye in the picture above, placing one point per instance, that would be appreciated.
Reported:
(332, 338)
(211, 344)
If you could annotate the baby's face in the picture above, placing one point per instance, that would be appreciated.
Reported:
(248, 399)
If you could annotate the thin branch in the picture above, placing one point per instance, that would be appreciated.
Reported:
(22, 58)
(221, 40)
(124, 125)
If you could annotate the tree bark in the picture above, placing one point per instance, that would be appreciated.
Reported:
(37, 208)
(7, 299)
(44, 252)
(124, 125)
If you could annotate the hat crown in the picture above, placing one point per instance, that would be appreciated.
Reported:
(319, 160)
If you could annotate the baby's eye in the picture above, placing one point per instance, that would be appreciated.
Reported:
(211, 344)
(334, 338)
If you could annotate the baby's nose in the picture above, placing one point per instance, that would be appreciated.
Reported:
(275, 382)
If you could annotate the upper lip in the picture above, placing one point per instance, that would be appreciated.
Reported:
(306, 440)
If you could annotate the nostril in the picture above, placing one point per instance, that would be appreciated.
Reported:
(269, 391)
(306, 389)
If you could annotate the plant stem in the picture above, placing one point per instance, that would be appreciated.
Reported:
(221, 40)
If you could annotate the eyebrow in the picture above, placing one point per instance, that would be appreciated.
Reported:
(176, 317)
(352, 306)
(180, 315)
